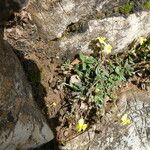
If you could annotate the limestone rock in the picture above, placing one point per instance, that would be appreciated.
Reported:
(111, 135)
(70, 26)
(22, 125)
(119, 31)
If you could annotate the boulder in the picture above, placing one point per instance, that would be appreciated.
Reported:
(71, 25)
(22, 125)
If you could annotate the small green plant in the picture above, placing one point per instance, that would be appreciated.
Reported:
(96, 78)
(141, 56)
(146, 5)
(90, 82)
(126, 8)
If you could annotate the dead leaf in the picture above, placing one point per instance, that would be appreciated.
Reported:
(75, 62)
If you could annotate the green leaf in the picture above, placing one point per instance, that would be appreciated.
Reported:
(87, 59)
(84, 66)
(117, 70)
(98, 70)
(82, 57)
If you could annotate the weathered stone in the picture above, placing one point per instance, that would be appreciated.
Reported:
(70, 26)
(22, 125)
(119, 31)
(110, 134)
(57, 15)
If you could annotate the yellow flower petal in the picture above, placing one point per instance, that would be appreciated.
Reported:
(107, 48)
(84, 127)
(125, 120)
(101, 40)
(81, 126)
(81, 122)
(142, 40)
(78, 128)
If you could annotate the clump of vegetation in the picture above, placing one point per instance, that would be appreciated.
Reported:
(146, 5)
(126, 8)
(96, 78)
(90, 82)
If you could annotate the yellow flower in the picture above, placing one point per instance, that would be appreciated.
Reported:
(107, 48)
(142, 40)
(125, 120)
(81, 126)
(101, 40)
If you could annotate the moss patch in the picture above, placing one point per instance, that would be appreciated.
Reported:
(126, 8)
(146, 5)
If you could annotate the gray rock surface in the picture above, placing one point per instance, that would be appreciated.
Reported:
(70, 26)
(22, 125)
(111, 135)
(119, 31)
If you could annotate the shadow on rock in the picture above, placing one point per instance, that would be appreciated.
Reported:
(33, 75)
